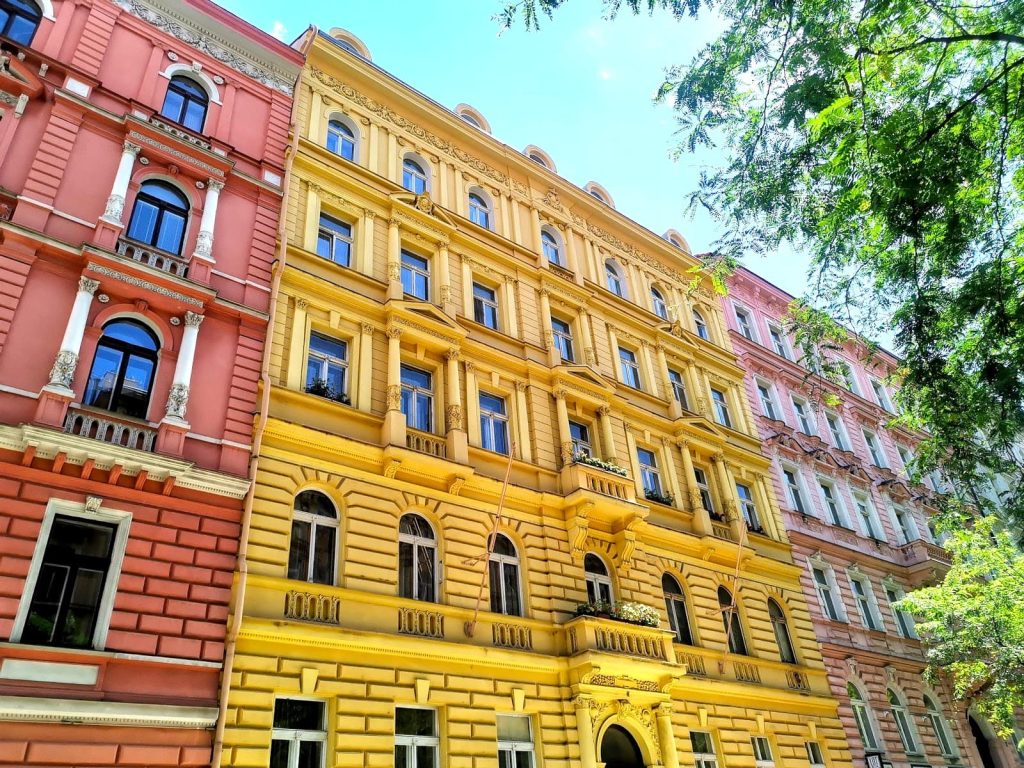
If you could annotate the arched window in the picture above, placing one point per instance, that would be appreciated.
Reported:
(186, 103)
(782, 637)
(861, 713)
(417, 559)
(700, 326)
(731, 621)
(658, 304)
(121, 379)
(675, 604)
(340, 139)
(479, 210)
(938, 723)
(312, 552)
(599, 583)
(159, 216)
(615, 279)
(899, 714)
(549, 244)
(19, 20)
(414, 178)
(503, 570)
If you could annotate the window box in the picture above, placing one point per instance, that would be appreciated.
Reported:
(655, 495)
(626, 612)
(320, 388)
(593, 461)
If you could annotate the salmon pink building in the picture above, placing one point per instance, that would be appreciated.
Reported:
(143, 153)
(860, 530)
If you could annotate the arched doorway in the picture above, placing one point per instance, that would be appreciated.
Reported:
(620, 750)
(981, 740)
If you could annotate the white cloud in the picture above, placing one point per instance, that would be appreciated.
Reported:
(605, 74)
(278, 30)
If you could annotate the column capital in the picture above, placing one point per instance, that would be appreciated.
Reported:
(370, 215)
(718, 458)
(452, 355)
(88, 285)
(367, 329)
(193, 319)
(131, 149)
(393, 332)
(583, 702)
(520, 386)
(394, 223)
(301, 304)
(560, 394)
(604, 410)
(470, 366)
(214, 185)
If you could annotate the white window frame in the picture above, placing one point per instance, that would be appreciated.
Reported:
(842, 439)
(415, 269)
(748, 508)
(295, 736)
(325, 361)
(905, 536)
(704, 489)
(705, 759)
(798, 490)
(700, 325)
(425, 169)
(417, 542)
(563, 340)
(476, 211)
(650, 471)
(815, 756)
(418, 394)
(581, 447)
(808, 422)
(865, 600)
(335, 236)
(836, 597)
(613, 271)
(489, 418)
(412, 742)
(881, 394)
(119, 518)
(517, 747)
(871, 442)
(484, 303)
(763, 757)
(658, 303)
(316, 521)
(745, 322)
(349, 123)
(597, 580)
(943, 735)
(903, 719)
(510, 561)
(552, 248)
(766, 396)
(838, 517)
(904, 621)
(864, 719)
(779, 342)
(721, 408)
(633, 365)
(871, 523)
(678, 384)
(849, 376)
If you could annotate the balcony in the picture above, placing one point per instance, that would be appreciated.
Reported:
(153, 257)
(583, 477)
(425, 442)
(590, 633)
(109, 428)
(924, 561)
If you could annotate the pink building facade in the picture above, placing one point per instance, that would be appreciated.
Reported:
(860, 530)
(143, 150)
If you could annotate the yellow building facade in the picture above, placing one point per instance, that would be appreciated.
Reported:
(445, 301)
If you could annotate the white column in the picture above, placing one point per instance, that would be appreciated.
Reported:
(63, 370)
(115, 203)
(204, 243)
(177, 400)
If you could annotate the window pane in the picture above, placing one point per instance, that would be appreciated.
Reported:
(405, 570)
(425, 563)
(323, 557)
(494, 579)
(425, 757)
(133, 399)
(524, 759)
(172, 228)
(298, 552)
(401, 755)
(414, 722)
(310, 754)
(143, 222)
(511, 589)
(195, 115)
(514, 728)
(42, 618)
(299, 715)
(279, 753)
(103, 377)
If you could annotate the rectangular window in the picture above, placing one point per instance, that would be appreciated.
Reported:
(846, 373)
(814, 756)
(835, 428)
(904, 622)
(796, 495)
(418, 399)
(334, 241)
(831, 499)
(908, 532)
(629, 368)
(72, 583)
(779, 342)
(826, 595)
(703, 749)
(804, 416)
(867, 518)
(415, 276)
(485, 305)
(416, 740)
(515, 741)
(748, 508)
(744, 323)
(945, 747)
(865, 603)
(581, 445)
(493, 423)
(327, 367)
(649, 474)
(675, 378)
(705, 491)
(721, 408)
(762, 752)
(767, 401)
(874, 448)
(299, 737)
(881, 396)
(561, 334)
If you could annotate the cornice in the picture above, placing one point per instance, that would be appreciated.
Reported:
(37, 709)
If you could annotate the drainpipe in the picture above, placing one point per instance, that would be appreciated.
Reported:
(277, 269)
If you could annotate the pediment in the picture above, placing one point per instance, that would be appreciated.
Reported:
(425, 318)
(700, 424)
(17, 78)
(426, 206)
(588, 375)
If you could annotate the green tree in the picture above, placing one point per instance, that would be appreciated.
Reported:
(886, 139)
(973, 621)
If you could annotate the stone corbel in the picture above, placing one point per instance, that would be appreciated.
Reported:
(579, 530)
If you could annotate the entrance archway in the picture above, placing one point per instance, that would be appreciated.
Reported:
(620, 750)
(981, 740)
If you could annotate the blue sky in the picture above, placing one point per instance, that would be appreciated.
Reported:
(580, 89)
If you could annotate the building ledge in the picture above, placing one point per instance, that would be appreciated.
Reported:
(70, 711)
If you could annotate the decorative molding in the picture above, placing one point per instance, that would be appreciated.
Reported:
(203, 40)
(146, 285)
(193, 319)
(183, 156)
(32, 709)
(177, 399)
(63, 370)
